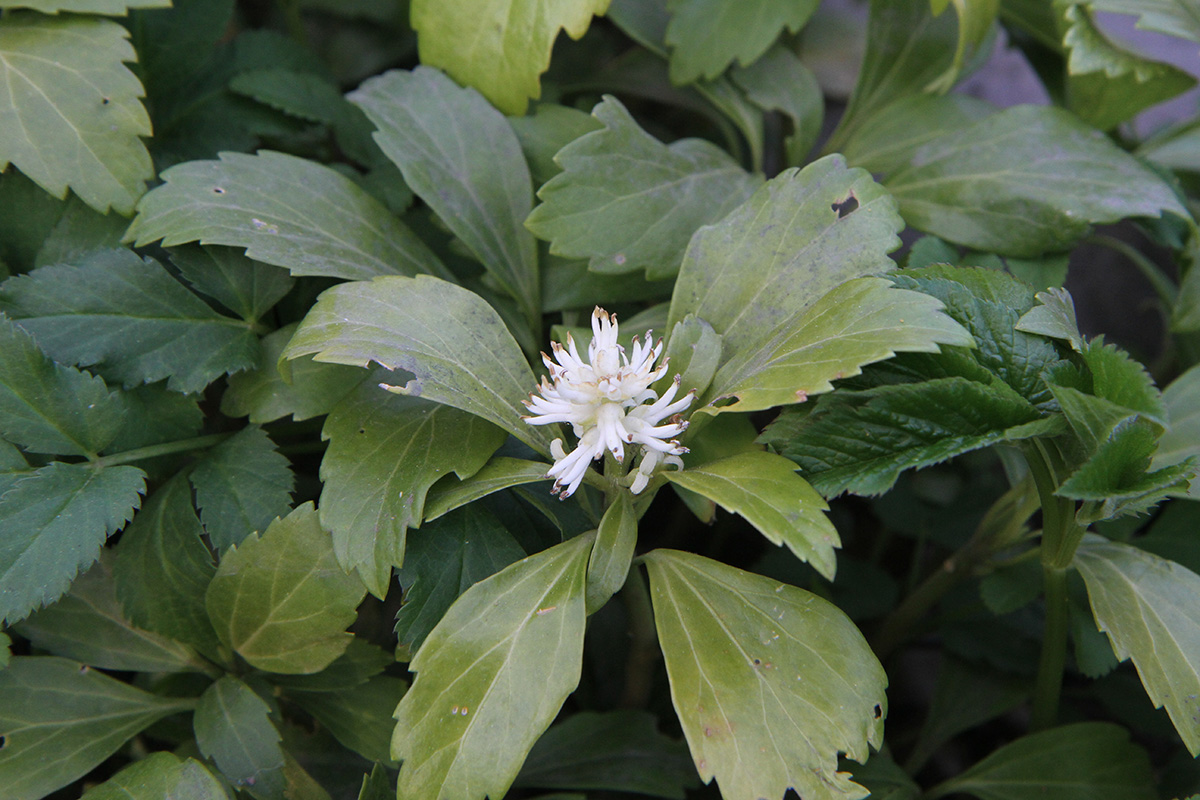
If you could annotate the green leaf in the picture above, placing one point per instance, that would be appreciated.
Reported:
(283, 210)
(886, 780)
(779, 81)
(156, 415)
(5, 651)
(79, 231)
(461, 157)
(1107, 84)
(455, 345)
(305, 95)
(131, 318)
(59, 719)
(549, 129)
(163, 567)
(233, 728)
(499, 473)
(1181, 440)
(706, 36)
(693, 351)
(282, 601)
(796, 238)
(377, 785)
(769, 682)
(504, 657)
(52, 525)
(245, 287)
(1172, 17)
(1144, 604)
(445, 559)
(13, 466)
(612, 554)
(265, 394)
(1054, 318)
(48, 408)
(618, 751)
(384, 453)
(358, 664)
(160, 776)
(976, 18)
(1083, 761)
(69, 111)
(857, 323)
(360, 717)
(627, 202)
(500, 47)
(88, 625)
(241, 485)
(999, 185)
(117, 8)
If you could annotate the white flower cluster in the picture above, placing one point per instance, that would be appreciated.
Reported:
(609, 403)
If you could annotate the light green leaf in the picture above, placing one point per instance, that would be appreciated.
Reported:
(447, 558)
(799, 236)
(1172, 17)
(88, 625)
(160, 776)
(281, 600)
(384, 453)
(233, 728)
(241, 485)
(779, 81)
(52, 525)
(60, 719)
(627, 202)
(706, 36)
(1144, 603)
(504, 657)
(116, 8)
(1054, 317)
(455, 345)
(618, 751)
(499, 473)
(360, 717)
(461, 157)
(1176, 148)
(612, 554)
(770, 682)
(163, 567)
(1083, 761)
(499, 47)
(857, 323)
(130, 317)
(765, 489)
(69, 111)
(48, 408)
(246, 287)
(899, 129)
(693, 352)
(999, 185)
(283, 210)
(265, 394)
(1181, 440)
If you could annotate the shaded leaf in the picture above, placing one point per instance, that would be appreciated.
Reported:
(60, 719)
(1143, 603)
(547, 130)
(360, 717)
(384, 453)
(299, 94)
(111, 7)
(1172, 17)
(780, 81)
(287, 211)
(244, 286)
(501, 472)
(627, 202)
(504, 657)
(706, 36)
(69, 111)
(131, 318)
(79, 231)
(1182, 439)
(281, 600)
(52, 525)
(156, 415)
(234, 730)
(160, 776)
(13, 466)
(612, 553)
(510, 42)
(769, 682)
(359, 663)
(241, 485)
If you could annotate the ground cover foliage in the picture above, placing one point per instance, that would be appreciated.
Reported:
(866, 515)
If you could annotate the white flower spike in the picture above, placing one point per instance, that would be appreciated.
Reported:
(609, 404)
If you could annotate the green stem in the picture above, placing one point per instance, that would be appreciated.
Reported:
(643, 647)
(1048, 685)
(155, 450)
(1164, 287)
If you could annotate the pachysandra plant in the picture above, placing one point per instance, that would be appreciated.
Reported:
(327, 470)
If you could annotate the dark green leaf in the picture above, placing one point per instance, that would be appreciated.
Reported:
(48, 408)
(1144, 604)
(59, 719)
(156, 415)
(13, 466)
(462, 158)
(52, 525)
(377, 785)
(499, 473)
(116, 8)
(627, 202)
(246, 287)
(360, 717)
(706, 36)
(131, 318)
(770, 682)
(359, 663)
(299, 94)
(234, 730)
(79, 231)
(241, 485)
(385, 451)
(1012, 587)
(616, 751)
(1054, 317)
(445, 559)
(281, 600)
(1083, 761)
(69, 111)
(160, 776)
(283, 210)
(885, 780)
(504, 657)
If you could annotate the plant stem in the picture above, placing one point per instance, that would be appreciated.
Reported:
(167, 448)
(643, 647)
(1048, 685)
(1163, 286)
